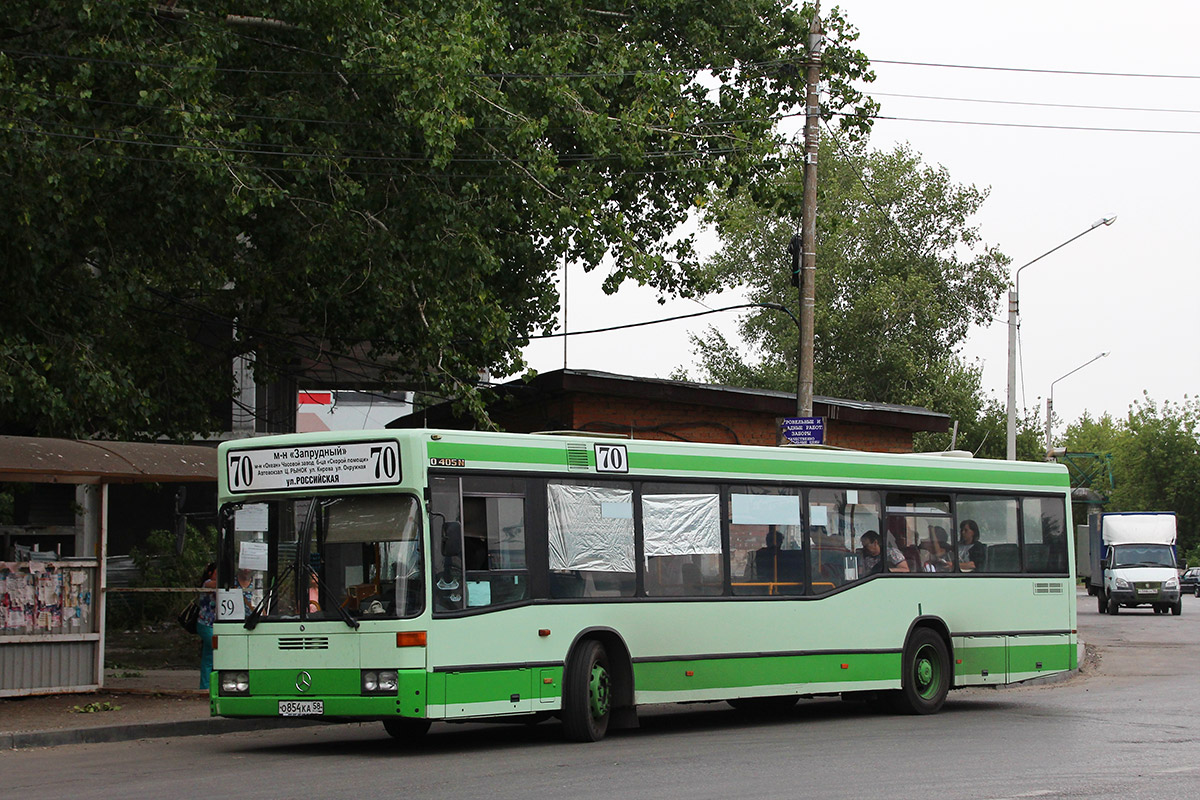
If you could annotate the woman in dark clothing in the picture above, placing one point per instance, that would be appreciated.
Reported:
(970, 549)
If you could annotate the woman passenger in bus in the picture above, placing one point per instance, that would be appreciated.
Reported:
(970, 549)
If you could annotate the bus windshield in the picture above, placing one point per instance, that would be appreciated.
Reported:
(1143, 555)
(319, 558)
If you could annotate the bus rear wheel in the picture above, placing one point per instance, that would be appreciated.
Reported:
(587, 694)
(408, 730)
(926, 677)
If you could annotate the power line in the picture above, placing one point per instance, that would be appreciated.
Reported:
(225, 146)
(769, 119)
(1029, 125)
(775, 306)
(1038, 71)
(342, 74)
(1037, 104)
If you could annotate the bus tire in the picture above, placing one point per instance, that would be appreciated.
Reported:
(926, 677)
(408, 730)
(587, 693)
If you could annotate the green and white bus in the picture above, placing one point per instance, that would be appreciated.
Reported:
(409, 576)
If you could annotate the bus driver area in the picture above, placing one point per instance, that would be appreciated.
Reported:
(462, 575)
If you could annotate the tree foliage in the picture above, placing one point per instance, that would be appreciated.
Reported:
(1155, 459)
(389, 183)
(901, 277)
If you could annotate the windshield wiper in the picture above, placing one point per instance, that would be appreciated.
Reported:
(256, 614)
(342, 612)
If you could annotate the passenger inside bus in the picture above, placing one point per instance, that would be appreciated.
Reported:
(935, 551)
(874, 560)
(970, 549)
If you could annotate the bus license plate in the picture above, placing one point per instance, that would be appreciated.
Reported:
(301, 708)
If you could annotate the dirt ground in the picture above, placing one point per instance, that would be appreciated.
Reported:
(158, 647)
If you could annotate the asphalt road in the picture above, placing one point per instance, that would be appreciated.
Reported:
(1125, 727)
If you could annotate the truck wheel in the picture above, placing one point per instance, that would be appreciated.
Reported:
(587, 694)
(1101, 604)
(926, 676)
(1176, 609)
(1113, 606)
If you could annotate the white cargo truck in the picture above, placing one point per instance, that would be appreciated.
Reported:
(1133, 561)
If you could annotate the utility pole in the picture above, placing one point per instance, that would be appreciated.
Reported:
(808, 223)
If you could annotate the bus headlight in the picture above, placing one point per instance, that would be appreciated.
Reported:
(233, 683)
(379, 681)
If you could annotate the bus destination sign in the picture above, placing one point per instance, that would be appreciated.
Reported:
(318, 466)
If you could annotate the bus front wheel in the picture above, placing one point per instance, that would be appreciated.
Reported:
(587, 694)
(926, 677)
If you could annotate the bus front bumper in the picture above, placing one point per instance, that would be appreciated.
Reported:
(330, 707)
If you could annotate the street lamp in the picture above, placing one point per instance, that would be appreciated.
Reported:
(1011, 449)
(1050, 399)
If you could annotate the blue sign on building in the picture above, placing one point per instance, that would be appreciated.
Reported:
(804, 430)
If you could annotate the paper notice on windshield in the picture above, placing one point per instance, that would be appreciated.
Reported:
(253, 556)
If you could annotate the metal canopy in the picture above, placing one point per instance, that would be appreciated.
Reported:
(27, 459)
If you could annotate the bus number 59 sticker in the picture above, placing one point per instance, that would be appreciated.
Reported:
(611, 458)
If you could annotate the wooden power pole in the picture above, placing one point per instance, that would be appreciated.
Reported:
(812, 133)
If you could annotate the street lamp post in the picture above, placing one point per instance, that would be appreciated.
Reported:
(1050, 399)
(1011, 449)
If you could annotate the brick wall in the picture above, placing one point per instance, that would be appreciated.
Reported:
(651, 419)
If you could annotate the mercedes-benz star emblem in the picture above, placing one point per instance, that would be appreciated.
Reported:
(303, 681)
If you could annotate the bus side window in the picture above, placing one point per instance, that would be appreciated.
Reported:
(590, 539)
(681, 532)
(1044, 523)
(494, 541)
(837, 520)
(766, 540)
(996, 518)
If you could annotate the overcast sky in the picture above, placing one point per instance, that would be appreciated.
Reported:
(1132, 289)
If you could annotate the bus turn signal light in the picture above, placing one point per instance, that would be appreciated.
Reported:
(410, 639)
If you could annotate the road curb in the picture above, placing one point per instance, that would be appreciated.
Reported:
(155, 730)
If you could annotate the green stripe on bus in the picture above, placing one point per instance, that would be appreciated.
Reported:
(692, 463)
(502, 454)
(859, 472)
(1051, 657)
(719, 673)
